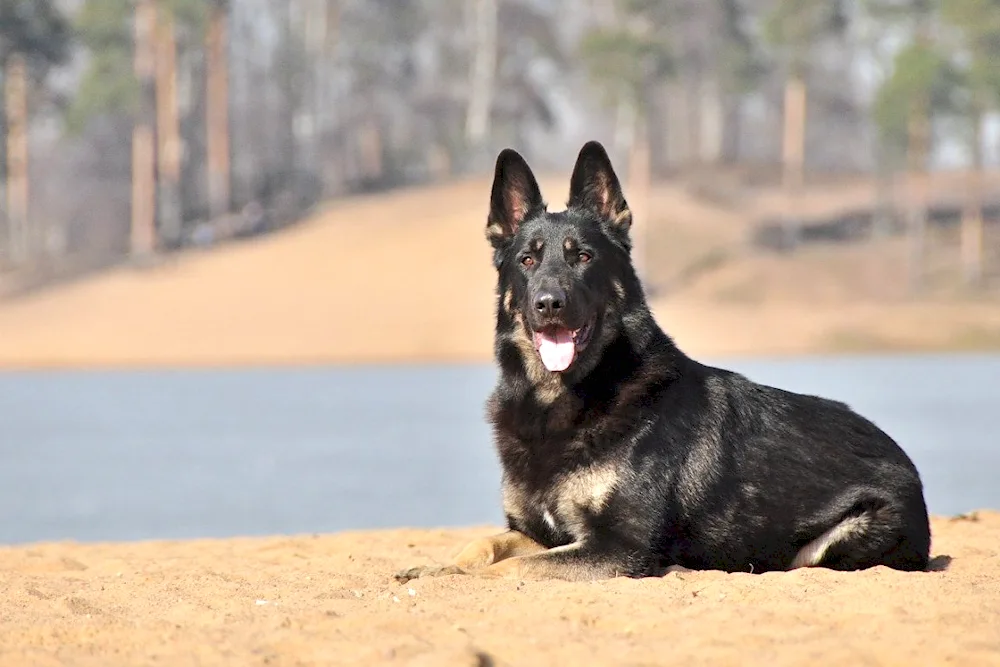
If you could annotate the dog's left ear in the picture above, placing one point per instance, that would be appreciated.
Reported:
(515, 197)
(594, 187)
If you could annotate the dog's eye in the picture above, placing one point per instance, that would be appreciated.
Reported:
(584, 257)
(528, 261)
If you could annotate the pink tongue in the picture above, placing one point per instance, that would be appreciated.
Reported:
(556, 350)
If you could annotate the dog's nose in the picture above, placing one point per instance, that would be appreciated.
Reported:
(549, 302)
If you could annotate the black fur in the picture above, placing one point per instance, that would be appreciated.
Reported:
(708, 469)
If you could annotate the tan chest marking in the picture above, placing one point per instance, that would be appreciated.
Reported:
(580, 494)
(572, 497)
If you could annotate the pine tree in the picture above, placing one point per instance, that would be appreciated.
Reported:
(919, 87)
(795, 27)
(34, 35)
(217, 109)
(978, 25)
(625, 58)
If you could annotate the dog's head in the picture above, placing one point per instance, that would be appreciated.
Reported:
(565, 278)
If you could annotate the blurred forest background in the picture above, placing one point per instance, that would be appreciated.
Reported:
(137, 127)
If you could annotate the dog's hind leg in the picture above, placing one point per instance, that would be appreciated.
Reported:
(479, 554)
(874, 536)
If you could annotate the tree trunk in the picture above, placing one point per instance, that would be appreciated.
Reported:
(16, 97)
(483, 73)
(919, 140)
(326, 98)
(217, 112)
(918, 149)
(168, 131)
(694, 97)
(793, 151)
(624, 127)
(639, 186)
(370, 145)
(143, 149)
(677, 141)
(732, 130)
(884, 186)
(972, 217)
(711, 128)
(793, 145)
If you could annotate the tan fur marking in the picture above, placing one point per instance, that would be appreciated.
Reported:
(549, 565)
(812, 554)
(624, 216)
(494, 231)
(495, 548)
(508, 300)
(589, 488)
(619, 288)
(513, 554)
(480, 557)
(514, 500)
(524, 561)
(581, 493)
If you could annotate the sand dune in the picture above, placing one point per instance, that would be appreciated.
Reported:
(386, 278)
(407, 277)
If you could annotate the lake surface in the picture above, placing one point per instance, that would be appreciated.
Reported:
(214, 453)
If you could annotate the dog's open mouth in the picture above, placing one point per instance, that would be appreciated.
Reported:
(558, 346)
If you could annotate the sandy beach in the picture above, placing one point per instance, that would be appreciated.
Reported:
(332, 600)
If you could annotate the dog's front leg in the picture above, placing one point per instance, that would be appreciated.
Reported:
(579, 561)
(479, 554)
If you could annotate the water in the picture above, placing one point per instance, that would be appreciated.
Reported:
(175, 454)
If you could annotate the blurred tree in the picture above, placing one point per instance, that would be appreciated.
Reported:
(126, 76)
(483, 19)
(795, 27)
(382, 64)
(978, 25)
(34, 35)
(919, 87)
(108, 84)
(741, 70)
(217, 108)
(528, 44)
(663, 49)
(627, 54)
(143, 241)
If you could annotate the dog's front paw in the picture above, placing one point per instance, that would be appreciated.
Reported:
(406, 575)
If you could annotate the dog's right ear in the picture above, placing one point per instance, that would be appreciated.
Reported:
(515, 197)
(594, 186)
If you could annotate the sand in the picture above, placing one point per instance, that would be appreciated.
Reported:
(332, 600)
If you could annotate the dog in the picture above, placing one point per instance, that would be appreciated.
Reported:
(622, 456)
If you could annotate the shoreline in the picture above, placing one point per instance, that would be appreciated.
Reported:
(360, 534)
(857, 343)
(292, 361)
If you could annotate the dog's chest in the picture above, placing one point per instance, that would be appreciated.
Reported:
(563, 507)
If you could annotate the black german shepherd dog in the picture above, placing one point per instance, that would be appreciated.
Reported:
(622, 456)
